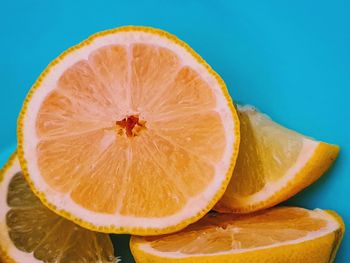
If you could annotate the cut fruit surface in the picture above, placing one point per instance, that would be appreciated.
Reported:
(274, 163)
(283, 234)
(129, 132)
(30, 232)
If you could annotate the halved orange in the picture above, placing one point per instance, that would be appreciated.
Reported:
(274, 163)
(30, 232)
(283, 234)
(129, 132)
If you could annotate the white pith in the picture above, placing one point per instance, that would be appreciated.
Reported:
(5, 241)
(331, 226)
(63, 201)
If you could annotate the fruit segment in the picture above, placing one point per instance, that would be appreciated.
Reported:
(273, 164)
(228, 232)
(282, 234)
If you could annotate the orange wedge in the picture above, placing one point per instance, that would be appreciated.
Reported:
(129, 132)
(284, 234)
(29, 232)
(274, 163)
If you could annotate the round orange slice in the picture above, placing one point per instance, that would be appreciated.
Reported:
(130, 131)
(283, 234)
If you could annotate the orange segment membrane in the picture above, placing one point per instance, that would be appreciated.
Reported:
(156, 182)
(130, 130)
(188, 93)
(227, 232)
(153, 69)
(195, 132)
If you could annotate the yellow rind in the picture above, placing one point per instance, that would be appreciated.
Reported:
(4, 257)
(319, 163)
(339, 234)
(320, 250)
(112, 228)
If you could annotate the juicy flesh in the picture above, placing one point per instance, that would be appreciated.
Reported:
(129, 130)
(33, 228)
(229, 232)
(267, 151)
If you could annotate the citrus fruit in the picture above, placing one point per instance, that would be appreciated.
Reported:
(283, 234)
(29, 232)
(129, 132)
(274, 163)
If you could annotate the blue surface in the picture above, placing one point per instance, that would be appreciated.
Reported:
(289, 58)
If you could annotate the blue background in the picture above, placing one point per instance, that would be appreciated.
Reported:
(289, 58)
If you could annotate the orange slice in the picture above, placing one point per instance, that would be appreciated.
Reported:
(284, 234)
(274, 163)
(129, 132)
(29, 232)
